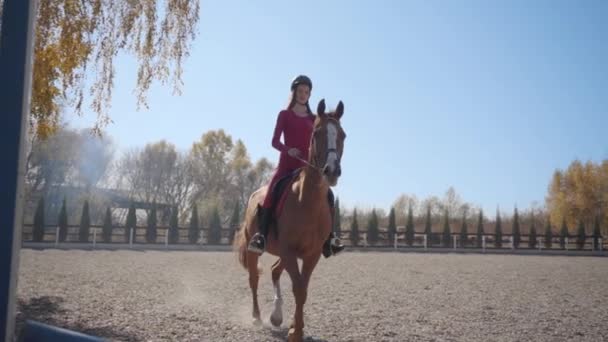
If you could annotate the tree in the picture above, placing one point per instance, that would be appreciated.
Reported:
(581, 236)
(76, 39)
(131, 223)
(151, 229)
(464, 236)
(579, 193)
(215, 227)
(239, 164)
(337, 219)
(173, 227)
(402, 204)
(596, 233)
(392, 226)
(354, 230)
(85, 223)
(532, 238)
(194, 229)
(107, 226)
(235, 221)
(372, 228)
(548, 234)
(563, 234)
(409, 227)
(52, 161)
(516, 230)
(62, 222)
(146, 173)
(498, 231)
(453, 203)
(427, 226)
(480, 231)
(38, 229)
(447, 234)
(211, 165)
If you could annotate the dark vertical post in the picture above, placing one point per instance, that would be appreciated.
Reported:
(16, 50)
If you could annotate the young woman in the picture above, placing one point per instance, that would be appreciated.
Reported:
(295, 124)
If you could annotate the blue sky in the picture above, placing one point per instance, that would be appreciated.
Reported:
(489, 97)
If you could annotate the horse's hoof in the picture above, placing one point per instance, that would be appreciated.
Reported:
(257, 322)
(276, 322)
(294, 336)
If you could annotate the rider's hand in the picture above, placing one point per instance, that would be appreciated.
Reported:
(294, 152)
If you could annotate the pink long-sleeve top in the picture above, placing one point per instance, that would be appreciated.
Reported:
(296, 133)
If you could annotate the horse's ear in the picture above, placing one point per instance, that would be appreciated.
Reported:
(340, 110)
(321, 108)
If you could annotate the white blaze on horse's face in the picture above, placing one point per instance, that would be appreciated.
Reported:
(332, 147)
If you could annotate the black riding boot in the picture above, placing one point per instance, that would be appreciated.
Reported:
(258, 240)
(332, 245)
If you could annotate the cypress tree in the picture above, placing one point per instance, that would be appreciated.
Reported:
(498, 232)
(215, 227)
(131, 223)
(563, 234)
(38, 229)
(372, 228)
(107, 227)
(548, 233)
(516, 229)
(173, 227)
(447, 233)
(581, 237)
(427, 227)
(480, 231)
(354, 230)
(464, 236)
(151, 229)
(532, 238)
(392, 226)
(85, 223)
(194, 229)
(409, 227)
(62, 222)
(235, 220)
(596, 233)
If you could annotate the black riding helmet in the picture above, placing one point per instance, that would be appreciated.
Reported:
(301, 79)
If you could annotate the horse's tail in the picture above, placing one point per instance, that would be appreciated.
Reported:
(241, 240)
(240, 245)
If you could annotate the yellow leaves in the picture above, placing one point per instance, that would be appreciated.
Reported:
(581, 192)
(73, 34)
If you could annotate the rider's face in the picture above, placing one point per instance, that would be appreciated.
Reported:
(302, 93)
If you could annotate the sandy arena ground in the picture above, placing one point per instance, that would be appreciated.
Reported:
(357, 296)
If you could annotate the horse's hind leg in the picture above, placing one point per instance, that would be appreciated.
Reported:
(252, 266)
(276, 318)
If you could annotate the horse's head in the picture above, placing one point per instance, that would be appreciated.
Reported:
(327, 142)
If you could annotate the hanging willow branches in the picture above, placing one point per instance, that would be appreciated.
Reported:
(78, 41)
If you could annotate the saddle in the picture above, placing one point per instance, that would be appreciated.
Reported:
(279, 195)
(278, 192)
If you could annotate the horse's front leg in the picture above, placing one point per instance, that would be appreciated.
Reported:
(276, 318)
(300, 289)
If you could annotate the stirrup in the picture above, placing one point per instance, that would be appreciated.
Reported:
(335, 242)
(332, 247)
(257, 244)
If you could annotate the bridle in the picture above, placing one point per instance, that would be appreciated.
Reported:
(314, 150)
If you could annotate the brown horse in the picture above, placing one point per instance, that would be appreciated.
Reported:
(304, 223)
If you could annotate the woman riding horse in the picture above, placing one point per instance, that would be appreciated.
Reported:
(295, 124)
(303, 223)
